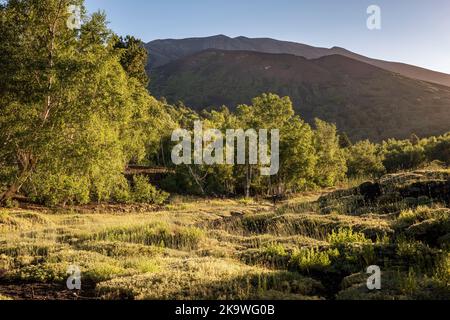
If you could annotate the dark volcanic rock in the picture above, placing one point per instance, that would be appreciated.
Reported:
(370, 190)
(438, 190)
(391, 193)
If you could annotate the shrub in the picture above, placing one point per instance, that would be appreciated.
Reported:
(155, 234)
(355, 251)
(122, 192)
(144, 192)
(439, 150)
(53, 189)
(46, 272)
(364, 159)
(430, 225)
(402, 155)
(101, 271)
(442, 271)
(416, 254)
(346, 236)
(272, 255)
(313, 259)
(410, 217)
(275, 250)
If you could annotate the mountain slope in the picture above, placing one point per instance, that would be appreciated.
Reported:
(164, 51)
(363, 100)
(401, 68)
(168, 50)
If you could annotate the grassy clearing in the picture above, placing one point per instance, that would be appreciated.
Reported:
(229, 249)
(211, 278)
(159, 234)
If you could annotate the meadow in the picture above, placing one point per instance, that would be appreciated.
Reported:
(314, 245)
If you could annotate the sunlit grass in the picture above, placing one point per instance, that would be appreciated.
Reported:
(219, 249)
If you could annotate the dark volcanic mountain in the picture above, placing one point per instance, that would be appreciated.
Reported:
(363, 100)
(165, 51)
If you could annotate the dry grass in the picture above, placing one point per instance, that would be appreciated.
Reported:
(208, 249)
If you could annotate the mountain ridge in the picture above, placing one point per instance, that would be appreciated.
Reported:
(163, 51)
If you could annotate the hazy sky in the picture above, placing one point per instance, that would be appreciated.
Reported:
(412, 31)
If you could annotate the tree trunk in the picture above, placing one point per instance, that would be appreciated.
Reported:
(26, 166)
(162, 153)
(26, 160)
(248, 180)
(197, 180)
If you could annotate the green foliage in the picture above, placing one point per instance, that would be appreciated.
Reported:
(344, 141)
(417, 255)
(297, 156)
(74, 108)
(44, 273)
(426, 224)
(144, 192)
(133, 57)
(275, 250)
(402, 155)
(268, 111)
(343, 236)
(53, 189)
(313, 259)
(364, 159)
(331, 167)
(412, 216)
(438, 149)
(442, 271)
(99, 272)
(155, 234)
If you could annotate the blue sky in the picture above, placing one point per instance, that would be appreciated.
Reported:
(413, 31)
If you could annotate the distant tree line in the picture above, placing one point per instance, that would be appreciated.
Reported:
(366, 159)
(310, 156)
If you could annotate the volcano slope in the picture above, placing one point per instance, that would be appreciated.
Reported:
(364, 101)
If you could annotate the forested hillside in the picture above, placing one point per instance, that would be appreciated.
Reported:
(364, 101)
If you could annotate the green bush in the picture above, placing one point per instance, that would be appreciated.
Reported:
(313, 259)
(364, 159)
(402, 155)
(442, 271)
(122, 192)
(46, 272)
(431, 225)
(439, 150)
(346, 236)
(52, 189)
(275, 250)
(420, 214)
(155, 234)
(101, 271)
(416, 254)
(144, 192)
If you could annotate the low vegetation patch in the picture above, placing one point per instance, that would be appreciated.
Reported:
(155, 234)
(230, 249)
